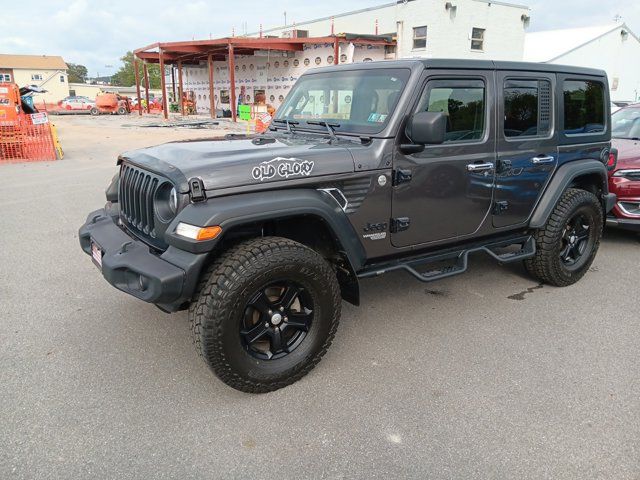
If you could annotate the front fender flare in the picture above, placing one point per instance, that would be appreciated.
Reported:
(237, 210)
(562, 179)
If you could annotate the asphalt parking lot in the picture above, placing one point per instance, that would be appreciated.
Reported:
(486, 375)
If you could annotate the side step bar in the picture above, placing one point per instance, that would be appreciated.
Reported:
(460, 257)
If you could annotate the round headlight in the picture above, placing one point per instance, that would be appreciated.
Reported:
(166, 202)
(173, 201)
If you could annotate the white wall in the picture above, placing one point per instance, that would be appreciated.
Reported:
(448, 31)
(275, 74)
(449, 34)
(619, 58)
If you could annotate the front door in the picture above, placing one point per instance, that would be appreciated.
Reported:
(445, 191)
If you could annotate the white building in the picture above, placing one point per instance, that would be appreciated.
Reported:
(613, 48)
(478, 29)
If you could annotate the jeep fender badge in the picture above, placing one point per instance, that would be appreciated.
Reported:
(283, 168)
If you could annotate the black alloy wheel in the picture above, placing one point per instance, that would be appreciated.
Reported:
(276, 320)
(575, 240)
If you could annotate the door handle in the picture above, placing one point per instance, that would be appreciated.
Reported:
(542, 159)
(480, 167)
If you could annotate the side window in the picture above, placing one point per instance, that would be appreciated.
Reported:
(527, 108)
(584, 107)
(463, 102)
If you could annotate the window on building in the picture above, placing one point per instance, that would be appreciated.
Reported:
(527, 108)
(5, 77)
(477, 39)
(36, 77)
(61, 78)
(389, 51)
(420, 37)
(584, 107)
(463, 102)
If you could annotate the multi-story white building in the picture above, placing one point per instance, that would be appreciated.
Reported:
(481, 29)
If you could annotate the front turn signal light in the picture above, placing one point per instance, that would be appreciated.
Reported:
(198, 233)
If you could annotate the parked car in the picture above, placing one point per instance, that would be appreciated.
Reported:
(79, 104)
(412, 165)
(624, 179)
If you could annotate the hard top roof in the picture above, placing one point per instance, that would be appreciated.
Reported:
(462, 64)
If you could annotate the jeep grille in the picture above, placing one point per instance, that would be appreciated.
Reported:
(136, 194)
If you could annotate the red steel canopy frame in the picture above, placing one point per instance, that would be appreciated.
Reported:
(225, 49)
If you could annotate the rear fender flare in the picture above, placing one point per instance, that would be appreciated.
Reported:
(562, 179)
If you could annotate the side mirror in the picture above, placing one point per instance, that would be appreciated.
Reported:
(427, 128)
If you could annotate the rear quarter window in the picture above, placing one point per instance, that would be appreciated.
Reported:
(584, 107)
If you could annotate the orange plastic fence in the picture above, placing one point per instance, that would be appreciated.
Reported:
(21, 140)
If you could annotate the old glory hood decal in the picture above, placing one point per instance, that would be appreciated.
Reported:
(234, 163)
(283, 168)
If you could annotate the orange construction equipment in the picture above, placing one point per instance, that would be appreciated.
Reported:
(25, 134)
(9, 102)
(113, 103)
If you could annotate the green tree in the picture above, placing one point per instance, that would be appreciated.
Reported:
(77, 73)
(125, 77)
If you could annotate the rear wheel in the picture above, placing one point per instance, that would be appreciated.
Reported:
(568, 243)
(122, 111)
(266, 312)
(94, 111)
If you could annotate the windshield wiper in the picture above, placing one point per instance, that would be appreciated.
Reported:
(330, 127)
(288, 123)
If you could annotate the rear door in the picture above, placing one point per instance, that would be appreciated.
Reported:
(445, 191)
(527, 143)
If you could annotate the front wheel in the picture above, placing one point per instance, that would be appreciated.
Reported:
(568, 243)
(265, 314)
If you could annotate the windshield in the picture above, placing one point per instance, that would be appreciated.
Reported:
(356, 101)
(626, 123)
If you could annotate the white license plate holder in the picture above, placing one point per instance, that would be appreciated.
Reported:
(96, 254)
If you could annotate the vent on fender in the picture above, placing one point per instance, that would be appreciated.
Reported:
(355, 191)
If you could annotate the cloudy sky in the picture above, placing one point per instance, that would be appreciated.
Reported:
(97, 33)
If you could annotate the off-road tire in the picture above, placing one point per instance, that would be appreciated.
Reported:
(217, 311)
(546, 265)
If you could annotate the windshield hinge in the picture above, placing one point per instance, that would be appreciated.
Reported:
(196, 190)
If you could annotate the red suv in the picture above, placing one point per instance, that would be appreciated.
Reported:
(624, 179)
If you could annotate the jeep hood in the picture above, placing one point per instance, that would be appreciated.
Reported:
(232, 163)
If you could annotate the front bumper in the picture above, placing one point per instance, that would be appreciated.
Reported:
(167, 280)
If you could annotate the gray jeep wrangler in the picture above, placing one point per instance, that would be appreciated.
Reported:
(368, 168)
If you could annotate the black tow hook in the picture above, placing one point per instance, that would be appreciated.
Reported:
(124, 247)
